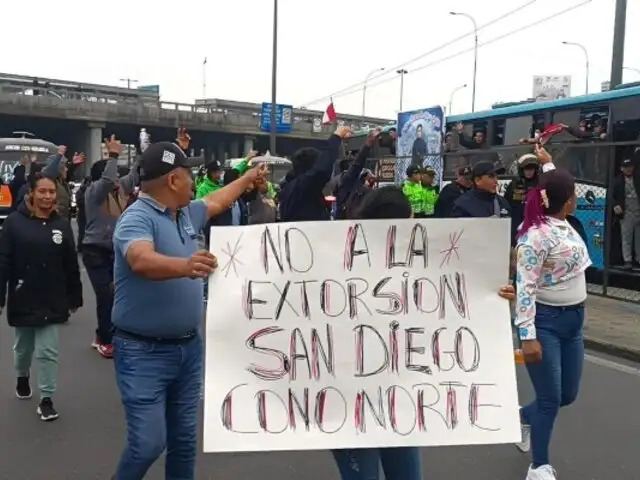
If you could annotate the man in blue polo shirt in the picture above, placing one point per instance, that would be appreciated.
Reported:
(158, 308)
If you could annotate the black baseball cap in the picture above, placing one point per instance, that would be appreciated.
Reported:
(213, 166)
(160, 159)
(627, 162)
(464, 172)
(481, 169)
(413, 169)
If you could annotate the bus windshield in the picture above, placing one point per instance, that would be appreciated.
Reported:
(13, 150)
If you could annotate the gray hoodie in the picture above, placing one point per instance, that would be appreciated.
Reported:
(105, 200)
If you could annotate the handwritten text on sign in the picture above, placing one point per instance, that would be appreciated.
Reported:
(380, 333)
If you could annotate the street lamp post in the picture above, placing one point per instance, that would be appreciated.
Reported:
(586, 57)
(617, 54)
(475, 55)
(274, 79)
(128, 81)
(455, 90)
(632, 69)
(402, 73)
(364, 88)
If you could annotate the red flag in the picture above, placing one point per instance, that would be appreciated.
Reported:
(329, 115)
(549, 131)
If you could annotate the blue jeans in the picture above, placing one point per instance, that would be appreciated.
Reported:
(401, 463)
(160, 387)
(556, 379)
(99, 265)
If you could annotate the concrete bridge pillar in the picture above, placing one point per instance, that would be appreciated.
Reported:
(221, 153)
(234, 151)
(248, 145)
(95, 142)
(90, 143)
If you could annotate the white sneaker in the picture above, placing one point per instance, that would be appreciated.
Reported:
(525, 445)
(543, 472)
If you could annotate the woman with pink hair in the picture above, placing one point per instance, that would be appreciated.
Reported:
(551, 290)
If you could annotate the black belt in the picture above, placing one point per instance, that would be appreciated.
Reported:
(565, 307)
(190, 335)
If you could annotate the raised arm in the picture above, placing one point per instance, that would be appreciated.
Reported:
(355, 169)
(52, 168)
(220, 200)
(99, 190)
(244, 164)
(544, 158)
(320, 173)
(131, 180)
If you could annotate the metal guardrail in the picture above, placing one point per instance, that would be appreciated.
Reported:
(595, 166)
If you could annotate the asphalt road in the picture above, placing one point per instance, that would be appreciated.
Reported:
(596, 439)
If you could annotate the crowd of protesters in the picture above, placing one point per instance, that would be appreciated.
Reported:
(139, 241)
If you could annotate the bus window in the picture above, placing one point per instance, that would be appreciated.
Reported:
(567, 117)
(588, 162)
(594, 122)
(476, 132)
(517, 128)
(625, 109)
(538, 125)
(498, 133)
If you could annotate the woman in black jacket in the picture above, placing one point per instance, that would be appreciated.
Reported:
(39, 265)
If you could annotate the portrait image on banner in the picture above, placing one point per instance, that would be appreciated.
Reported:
(551, 87)
(380, 333)
(420, 140)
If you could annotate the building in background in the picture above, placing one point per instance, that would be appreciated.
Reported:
(551, 87)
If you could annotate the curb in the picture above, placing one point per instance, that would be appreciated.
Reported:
(612, 349)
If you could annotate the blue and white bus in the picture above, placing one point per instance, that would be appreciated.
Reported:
(604, 130)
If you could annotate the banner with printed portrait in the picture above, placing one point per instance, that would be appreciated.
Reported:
(420, 135)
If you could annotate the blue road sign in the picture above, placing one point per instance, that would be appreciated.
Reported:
(150, 88)
(284, 118)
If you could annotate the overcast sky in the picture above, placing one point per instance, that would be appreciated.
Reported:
(324, 46)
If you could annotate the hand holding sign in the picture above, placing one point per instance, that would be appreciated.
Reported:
(201, 264)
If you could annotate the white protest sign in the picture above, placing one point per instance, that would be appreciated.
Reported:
(326, 335)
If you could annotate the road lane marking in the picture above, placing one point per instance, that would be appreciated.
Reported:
(620, 367)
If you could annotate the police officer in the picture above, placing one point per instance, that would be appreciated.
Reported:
(518, 188)
(483, 199)
(452, 191)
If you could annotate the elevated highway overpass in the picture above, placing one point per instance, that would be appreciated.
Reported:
(81, 115)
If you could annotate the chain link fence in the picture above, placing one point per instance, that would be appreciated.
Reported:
(596, 167)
